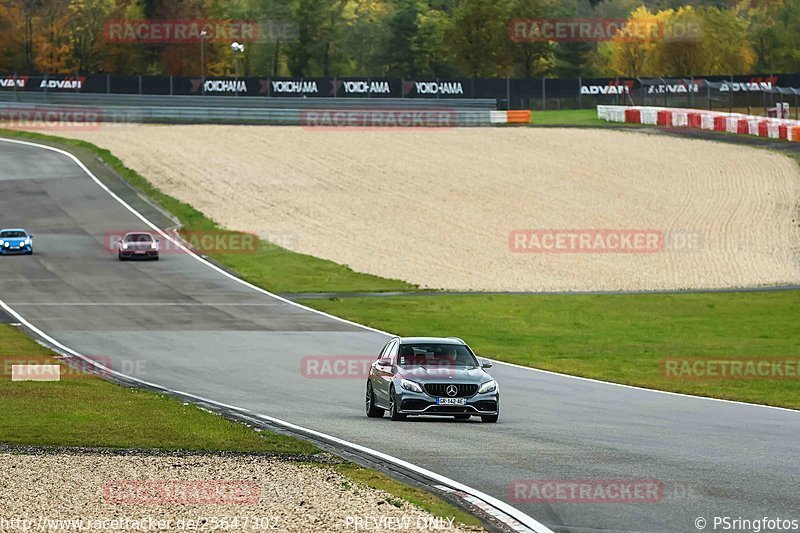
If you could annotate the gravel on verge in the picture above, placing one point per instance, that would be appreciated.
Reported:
(101, 491)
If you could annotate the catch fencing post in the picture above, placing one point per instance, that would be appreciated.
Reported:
(508, 93)
(730, 96)
(644, 91)
(544, 94)
(771, 100)
(108, 84)
(170, 85)
(140, 84)
(580, 94)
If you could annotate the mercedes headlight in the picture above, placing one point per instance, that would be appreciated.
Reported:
(124, 245)
(410, 385)
(27, 242)
(489, 386)
(7, 244)
(154, 246)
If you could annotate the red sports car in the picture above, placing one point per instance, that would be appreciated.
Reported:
(138, 245)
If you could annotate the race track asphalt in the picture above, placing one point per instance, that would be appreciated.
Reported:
(181, 324)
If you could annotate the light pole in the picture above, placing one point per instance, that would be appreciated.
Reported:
(203, 35)
(238, 50)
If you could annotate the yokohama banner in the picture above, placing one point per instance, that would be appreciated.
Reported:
(367, 87)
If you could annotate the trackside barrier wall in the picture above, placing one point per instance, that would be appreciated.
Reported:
(298, 116)
(771, 128)
(510, 117)
(519, 116)
(498, 117)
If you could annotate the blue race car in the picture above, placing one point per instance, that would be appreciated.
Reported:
(15, 241)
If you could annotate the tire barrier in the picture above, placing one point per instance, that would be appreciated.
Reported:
(770, 128)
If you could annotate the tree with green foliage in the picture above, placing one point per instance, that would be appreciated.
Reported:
(402, 48)
(534, 58)
(478, 38)
(318, 32)
(86, 41)
(432, 55)
(775, 34)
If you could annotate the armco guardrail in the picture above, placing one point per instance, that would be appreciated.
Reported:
(391, 112)
(80, 113)
(773, 128)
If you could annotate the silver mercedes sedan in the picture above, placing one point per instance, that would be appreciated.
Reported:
(431, 376)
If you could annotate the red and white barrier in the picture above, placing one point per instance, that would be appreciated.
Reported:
(516, 116)
(772, 128)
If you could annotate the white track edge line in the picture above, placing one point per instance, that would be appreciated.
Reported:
(514, 513)
(322, 313)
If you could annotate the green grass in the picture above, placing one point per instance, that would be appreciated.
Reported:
(270, 266)
(619, 338)
(568, 117)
